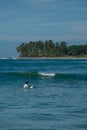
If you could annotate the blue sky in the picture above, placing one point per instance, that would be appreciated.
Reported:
(31, 20)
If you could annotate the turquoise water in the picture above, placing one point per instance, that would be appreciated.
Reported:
(58, 100)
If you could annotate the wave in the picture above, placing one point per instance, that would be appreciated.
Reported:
(47, 74)
(71, 76)
(66, 76)
(31, 74)
(23, 74)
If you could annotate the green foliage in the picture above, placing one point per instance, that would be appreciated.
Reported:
(50, 49)
(75, 50)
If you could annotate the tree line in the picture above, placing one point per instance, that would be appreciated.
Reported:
(50, 48)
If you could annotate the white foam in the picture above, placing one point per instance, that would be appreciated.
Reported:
(3, 58)
(47, 74)
(14, 58)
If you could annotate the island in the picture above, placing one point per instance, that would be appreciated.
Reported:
(51, 49)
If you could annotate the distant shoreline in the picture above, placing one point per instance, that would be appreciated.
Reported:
(52, 57)
(42, 58)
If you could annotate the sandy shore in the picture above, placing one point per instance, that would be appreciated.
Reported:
(52, 57)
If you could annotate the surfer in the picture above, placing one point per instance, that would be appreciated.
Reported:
(26, 85)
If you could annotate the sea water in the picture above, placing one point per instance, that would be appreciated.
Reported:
(58, 100)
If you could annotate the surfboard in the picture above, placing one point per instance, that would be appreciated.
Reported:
(31, 86)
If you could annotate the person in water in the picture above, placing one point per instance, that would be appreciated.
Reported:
(26, 85)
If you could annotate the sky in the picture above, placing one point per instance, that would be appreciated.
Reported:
(33, 20)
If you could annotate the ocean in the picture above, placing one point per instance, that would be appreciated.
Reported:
(58, 100)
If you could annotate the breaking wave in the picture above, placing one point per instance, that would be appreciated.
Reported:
(68, 76)
(47, 74)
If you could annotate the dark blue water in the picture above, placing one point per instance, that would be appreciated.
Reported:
(58, 100)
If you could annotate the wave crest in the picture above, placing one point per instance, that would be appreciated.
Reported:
(63, 76)
(47, 74)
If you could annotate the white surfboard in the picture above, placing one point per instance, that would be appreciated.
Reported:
(31, 86)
